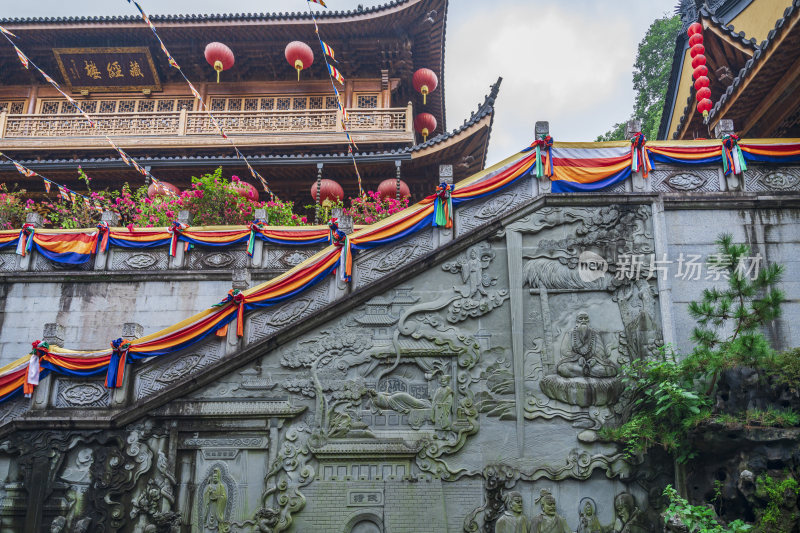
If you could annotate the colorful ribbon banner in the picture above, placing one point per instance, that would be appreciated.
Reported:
(575, 165)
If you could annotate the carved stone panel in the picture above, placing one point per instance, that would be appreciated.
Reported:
(8, 262)
(203, 258)
(274, 318)
(284, 258)
(478, 213)
(81, 393)
(143, 259)
(374, 264)
(43, 264)
(760, 178)
(160, 374)
(679, 179)
(13, 409)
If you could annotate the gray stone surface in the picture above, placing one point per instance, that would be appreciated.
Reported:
(451, 373)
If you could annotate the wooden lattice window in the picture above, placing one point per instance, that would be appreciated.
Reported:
(269, 103)
(122, 105)
(367, 101)
(14, 107)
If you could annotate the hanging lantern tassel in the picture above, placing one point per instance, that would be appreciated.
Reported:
(443, 206)
(219, 56)
(640, 160)
(299, 55)
(425, 82)
(40, 349)
(732, 156)
(544, 160)
(116, 365)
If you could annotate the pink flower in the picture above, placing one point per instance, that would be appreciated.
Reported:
(130, 227)
(235, 178)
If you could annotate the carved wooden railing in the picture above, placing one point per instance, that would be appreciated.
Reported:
(199, 123)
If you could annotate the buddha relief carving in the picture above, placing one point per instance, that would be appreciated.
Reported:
(586, 375)
(214, 503)
(587, 517)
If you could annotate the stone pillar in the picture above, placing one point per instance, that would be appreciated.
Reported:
(317, 193)
(446, 176)
(53, 334)
(733, 183)
(101, 257)
(540, 129)
(258, 246)
(26, 263)
(241, 279)
(345, 221)
(397, 180)
(638, 183)
(122, 395)
(179, 261)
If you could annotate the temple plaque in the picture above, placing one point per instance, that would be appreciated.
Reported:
(113, 69)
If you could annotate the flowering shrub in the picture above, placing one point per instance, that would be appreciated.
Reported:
(211, 200)
(12, 208)
(371, 208)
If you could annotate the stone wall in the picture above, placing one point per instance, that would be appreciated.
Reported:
(462, 374)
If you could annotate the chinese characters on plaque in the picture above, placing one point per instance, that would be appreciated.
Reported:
(107, 69)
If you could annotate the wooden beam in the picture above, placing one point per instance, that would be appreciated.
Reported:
(782, 110)
(775, 45)
(777, 91)
(728, 39)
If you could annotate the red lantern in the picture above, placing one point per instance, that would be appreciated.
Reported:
(246, 190)
(695, 27)
(704, 93)
(219, 56)
(697, 38)
(162, 188)
(425, 82)
(425, 124)
(329, 191)
(698, 60)
(704, 106)
(388, 189)
(697, 50)
(701, 82)
(299, 55)
(700, 71)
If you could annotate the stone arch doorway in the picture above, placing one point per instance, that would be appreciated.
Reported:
(365, 524)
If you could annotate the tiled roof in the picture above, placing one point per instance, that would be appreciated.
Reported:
(485, 109)
(217, 17)
(759, 55)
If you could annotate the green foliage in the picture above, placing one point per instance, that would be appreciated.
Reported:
(665, 408)
(698, 518)
(780, 511)
(650, 77)
(770, 417)
(668, 397)
(784, 368)
(748, 303)
(12, 208)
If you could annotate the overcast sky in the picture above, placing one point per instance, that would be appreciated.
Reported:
(566, 61)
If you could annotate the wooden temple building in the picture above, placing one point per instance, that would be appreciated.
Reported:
(285, 127)
(752, 51)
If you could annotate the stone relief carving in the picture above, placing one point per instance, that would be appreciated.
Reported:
(8, 262)
(81, 394)
(138, 260)
(675, 179)
(477, 214)
(278, 258)
(372, 264)
(761, 178)
(549, 521)
(476, 298)
(272, 319)
(163, 373)
(209, 258)
(512, 520)
(216, 500)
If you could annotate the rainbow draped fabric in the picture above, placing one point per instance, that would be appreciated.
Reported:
(577, 168)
